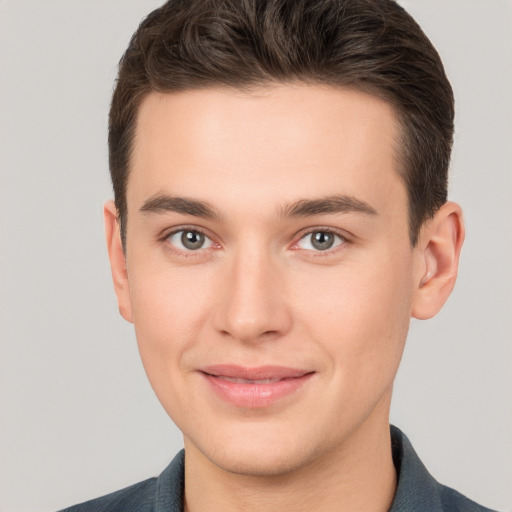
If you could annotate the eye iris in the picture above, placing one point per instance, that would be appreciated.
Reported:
(192, 240)
(322, 240)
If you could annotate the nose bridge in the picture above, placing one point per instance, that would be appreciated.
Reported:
(253, 305)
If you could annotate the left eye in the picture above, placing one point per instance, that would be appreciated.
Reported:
(320, 240)
(189, 240)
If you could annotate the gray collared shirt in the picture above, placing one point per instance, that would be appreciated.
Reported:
(417, 490)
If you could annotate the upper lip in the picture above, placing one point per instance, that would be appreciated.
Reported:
(254, 373)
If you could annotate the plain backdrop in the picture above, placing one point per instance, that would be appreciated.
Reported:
(78, 418)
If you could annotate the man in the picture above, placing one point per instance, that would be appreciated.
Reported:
(280, 173)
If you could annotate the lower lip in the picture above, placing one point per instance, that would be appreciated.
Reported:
(253, 396)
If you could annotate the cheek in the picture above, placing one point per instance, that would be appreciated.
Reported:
(360, 318)
(168, 312)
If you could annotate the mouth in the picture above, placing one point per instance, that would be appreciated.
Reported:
(246, 381)
(255, 387)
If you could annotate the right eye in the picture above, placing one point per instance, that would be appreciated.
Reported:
(189, 240)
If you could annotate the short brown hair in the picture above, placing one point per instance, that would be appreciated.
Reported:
(372, 45)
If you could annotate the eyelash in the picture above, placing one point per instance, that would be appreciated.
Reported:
(316, 253)
(183, 229)
(323, 229)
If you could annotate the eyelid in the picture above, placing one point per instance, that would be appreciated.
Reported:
(346, 239)
(167, 233)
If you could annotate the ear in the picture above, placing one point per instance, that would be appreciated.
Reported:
(117, 260)
(437, 260)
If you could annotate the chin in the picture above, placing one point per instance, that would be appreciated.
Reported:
(259, 463)
(258, 453)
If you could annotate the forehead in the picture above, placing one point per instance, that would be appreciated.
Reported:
(278, 143)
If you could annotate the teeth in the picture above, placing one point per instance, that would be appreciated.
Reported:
(248, 381)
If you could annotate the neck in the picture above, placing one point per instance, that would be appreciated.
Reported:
(360, 475)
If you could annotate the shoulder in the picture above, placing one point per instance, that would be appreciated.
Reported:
(454, 501)
(138, 497)
(417, 489)
(164, 493)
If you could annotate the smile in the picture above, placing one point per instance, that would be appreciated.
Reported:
(248, 381)
(257, 387)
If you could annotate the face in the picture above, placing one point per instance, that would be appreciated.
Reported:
(269, 271)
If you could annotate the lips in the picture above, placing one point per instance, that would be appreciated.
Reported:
(255, 387)
(248, 381)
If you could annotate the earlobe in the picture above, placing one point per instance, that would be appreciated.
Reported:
(117, 259)
(437, 254)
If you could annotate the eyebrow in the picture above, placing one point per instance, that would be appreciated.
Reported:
(162, 203)
(325, 205)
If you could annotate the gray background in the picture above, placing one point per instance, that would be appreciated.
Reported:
(78, 418)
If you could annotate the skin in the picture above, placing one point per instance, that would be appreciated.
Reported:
(258, 292)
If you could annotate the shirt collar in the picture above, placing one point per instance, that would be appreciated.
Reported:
(170, 486)
(417, 489)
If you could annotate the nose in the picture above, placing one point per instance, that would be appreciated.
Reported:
(252, 304)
